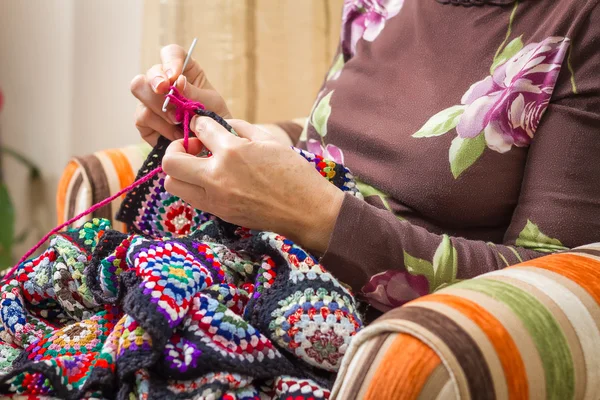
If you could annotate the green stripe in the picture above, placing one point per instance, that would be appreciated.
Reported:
(493, 246)
(546, 333)
(516, 253)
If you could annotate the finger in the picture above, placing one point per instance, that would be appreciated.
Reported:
(173, 57)
(185, 167)
(158, 79)
(249, 131)
(193, 194)
(144, 93)
(151, 126)
(195, 146)
(214, 136)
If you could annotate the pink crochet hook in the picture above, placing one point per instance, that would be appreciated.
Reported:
(187, 58)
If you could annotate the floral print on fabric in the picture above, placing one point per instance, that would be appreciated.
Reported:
(508, 105)
(329, 151)
(365, 19)
(393, 288)
(319, 118)
(504, 109)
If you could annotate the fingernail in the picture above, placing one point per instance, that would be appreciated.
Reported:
(169, 73)
(181, 82)
(172, 117)
(156, 82)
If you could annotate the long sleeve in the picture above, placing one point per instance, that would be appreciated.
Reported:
(390, 260)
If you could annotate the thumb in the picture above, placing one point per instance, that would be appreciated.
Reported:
(249, 131)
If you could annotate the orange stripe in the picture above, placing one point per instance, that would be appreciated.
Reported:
(403, 371)
(122, 167)
(125, 174)
(506, 349)
(63, 186)
(580, 269)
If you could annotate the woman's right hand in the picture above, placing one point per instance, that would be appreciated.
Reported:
(151, 88)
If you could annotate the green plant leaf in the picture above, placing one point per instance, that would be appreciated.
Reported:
(464, 152)
(509, 51)
(441, 122)
(445, 264)
(532, 238)
(320, 115)
(7, 227)
(418, 266)
(336, 68)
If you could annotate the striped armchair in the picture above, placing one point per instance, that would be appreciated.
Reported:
(531, 331)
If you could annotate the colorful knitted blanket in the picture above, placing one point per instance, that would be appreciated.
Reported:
(184, 306)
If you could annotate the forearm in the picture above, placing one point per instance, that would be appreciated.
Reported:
(367, 241)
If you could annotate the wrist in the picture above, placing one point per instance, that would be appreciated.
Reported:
(319, 222)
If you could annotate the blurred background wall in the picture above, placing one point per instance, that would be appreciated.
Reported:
(65, 68)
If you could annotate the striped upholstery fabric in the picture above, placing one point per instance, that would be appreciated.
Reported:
(531, 331)
(89, 179)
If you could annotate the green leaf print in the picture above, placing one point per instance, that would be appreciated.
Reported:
(336, 68)
(509, 51)
(532, 238)
(304, 134)
(464, 152)
(418, 266)
(441, 122)
(445, 263)
(442, 272)
(368, 190)
(320, 115)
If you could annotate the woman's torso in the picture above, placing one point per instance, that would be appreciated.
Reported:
(405, 62)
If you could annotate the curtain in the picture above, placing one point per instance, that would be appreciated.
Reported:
(266, 57)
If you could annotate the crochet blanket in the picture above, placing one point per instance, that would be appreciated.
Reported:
(184, 306)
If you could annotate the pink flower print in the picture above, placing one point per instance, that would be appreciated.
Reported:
(365, 19)
(328, 152)
(393, 288)
(508, 105)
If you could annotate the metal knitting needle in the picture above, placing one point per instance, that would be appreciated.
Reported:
(187, 58)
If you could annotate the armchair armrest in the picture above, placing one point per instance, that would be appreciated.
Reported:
(91, 178)
(528, 331)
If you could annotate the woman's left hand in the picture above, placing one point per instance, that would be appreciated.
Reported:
(253, 181)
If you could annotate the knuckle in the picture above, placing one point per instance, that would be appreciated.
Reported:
(142, 115)
(168, 163)
(170, 48)
(228, 153)
(202, 124)
(169, 184)
(137, 83)
(238, 122)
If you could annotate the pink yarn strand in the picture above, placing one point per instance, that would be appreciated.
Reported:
(90, 210)
(184, 109)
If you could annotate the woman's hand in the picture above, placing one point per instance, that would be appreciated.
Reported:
(253, 181)
(150, 89)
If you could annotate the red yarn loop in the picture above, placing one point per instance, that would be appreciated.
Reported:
(185, 109)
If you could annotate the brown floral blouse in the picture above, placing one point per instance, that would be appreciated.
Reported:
(475, 135)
